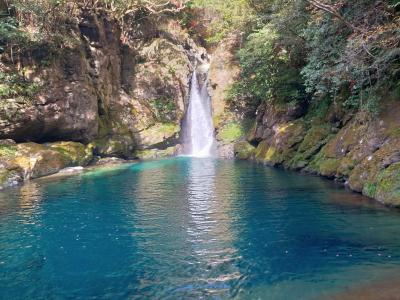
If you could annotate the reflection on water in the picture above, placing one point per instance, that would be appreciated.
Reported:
(30, 196)
(209, 229)
(25, 199)
(192, 229)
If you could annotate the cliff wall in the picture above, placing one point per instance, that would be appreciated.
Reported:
(108, 91)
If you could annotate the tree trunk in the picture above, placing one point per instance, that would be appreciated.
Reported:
(3, 8)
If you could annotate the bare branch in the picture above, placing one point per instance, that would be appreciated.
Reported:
(333, 11)
(173, 6)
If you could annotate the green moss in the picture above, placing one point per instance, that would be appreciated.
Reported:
(346, 166)
(14, 85)
(8, 150)
(388, 185)
(328, 167)
(159, 135)
(244, 150)
(120, 146)
(299, 161)
(74, 153)
(369, 190)
(395, 132)
(230, 132)
(315, 138)
(168, 128)
(163, 108)
(217, 120)
(154, 153)
(324, 166)
(270, 155)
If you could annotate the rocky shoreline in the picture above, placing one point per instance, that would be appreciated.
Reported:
(357, 150)
(115, 93)
(20, 163)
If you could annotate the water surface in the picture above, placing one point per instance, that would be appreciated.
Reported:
(190, 228)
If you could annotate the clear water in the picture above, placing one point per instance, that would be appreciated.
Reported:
(190, 228)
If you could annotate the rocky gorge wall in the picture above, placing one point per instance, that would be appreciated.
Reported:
(111, 93)
(107, 93)
(358, 149)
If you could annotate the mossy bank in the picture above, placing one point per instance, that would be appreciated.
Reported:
(358, 149)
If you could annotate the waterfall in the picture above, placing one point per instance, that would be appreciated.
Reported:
(198, 138)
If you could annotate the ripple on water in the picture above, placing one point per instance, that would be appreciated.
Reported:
(191, 228)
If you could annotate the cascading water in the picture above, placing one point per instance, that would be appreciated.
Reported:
(199, 140)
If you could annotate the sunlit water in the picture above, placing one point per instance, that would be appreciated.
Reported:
(191, 229)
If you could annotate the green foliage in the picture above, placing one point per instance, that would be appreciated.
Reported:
(12, 85)
(302, 53)
(369, 190)
(230, 132)
(7, 150)
(363, 59)
(52, 21)
(10, 32)
(226, 17)
(269, 72)
(163, 108)
(272, 55)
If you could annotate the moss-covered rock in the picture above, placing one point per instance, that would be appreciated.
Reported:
(7, 148)
(369, 190)
(369, 168)
(244, 150)
(230, 132)
(154, 153)
(387, 187)
(230, 129)
(360, 149)
(46, 162)
(37, 160)
(160, 135)
(328, 167)
(282, 146)
(115, 146)
(315, 138)
(25, 161)
(76, 154)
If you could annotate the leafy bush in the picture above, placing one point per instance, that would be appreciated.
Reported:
(12, 85)
(363, 58)
(268, 73)
(163, 108)
(225, 17)
(302, 52)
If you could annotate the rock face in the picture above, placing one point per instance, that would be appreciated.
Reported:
(359, 150)
(122, 91)
(224, 70)
(20, 162)
(230, 124)
(107, 93)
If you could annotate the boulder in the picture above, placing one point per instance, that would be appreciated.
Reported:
(244, 150)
